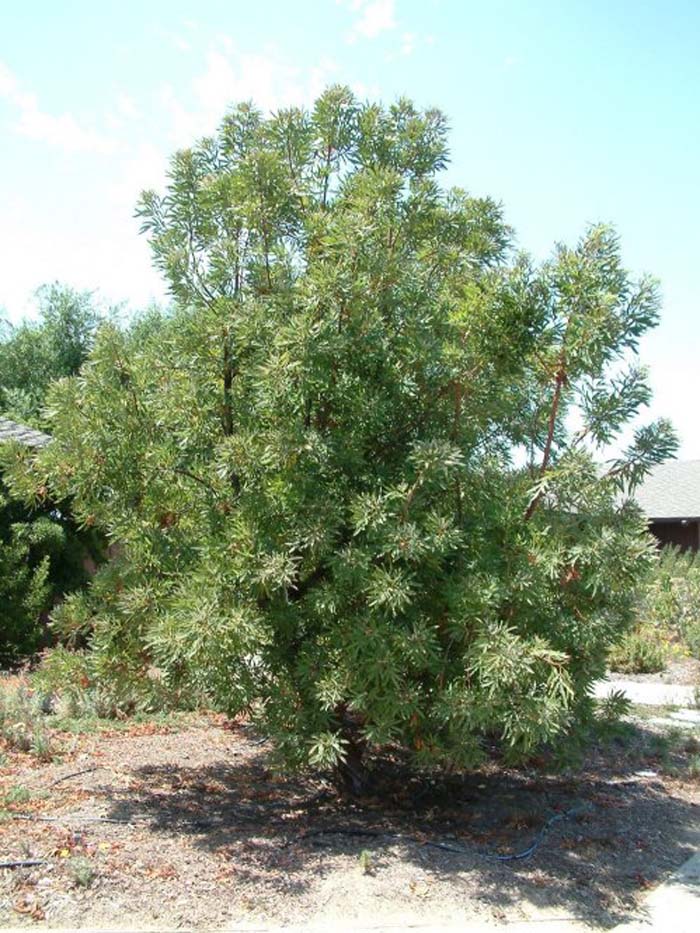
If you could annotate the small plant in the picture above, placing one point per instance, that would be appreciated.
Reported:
(659, 747)
(614, 707)
(365, 862)
(83, 871)
(42, 746)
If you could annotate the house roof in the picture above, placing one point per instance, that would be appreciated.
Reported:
(671, 490)
(30, 437)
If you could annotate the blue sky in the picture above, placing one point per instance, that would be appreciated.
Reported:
(569, 112)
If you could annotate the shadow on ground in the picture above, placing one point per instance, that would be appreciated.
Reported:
(625, 834)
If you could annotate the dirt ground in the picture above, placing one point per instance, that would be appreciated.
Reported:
(684, 671)
(188, 827)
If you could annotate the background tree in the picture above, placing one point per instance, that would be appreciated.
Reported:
(42, 557)
(43, 553)
(312, 464)
(36, 352)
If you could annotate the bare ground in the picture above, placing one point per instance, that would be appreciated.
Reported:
(684, 671)
(205, 835)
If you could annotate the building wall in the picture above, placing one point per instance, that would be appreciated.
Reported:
(685, 535)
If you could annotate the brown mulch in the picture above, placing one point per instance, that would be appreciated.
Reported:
(190, 827)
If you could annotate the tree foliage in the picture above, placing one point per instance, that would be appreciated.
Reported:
(342, 473)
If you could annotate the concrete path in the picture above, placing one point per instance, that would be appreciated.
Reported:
(681, 719)
(673, 906)
(648, 694)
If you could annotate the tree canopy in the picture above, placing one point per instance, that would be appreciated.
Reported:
(342, 473)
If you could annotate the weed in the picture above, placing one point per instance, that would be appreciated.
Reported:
(83, 871)
(365, 862)
(23, 722)
(17, 794)
(11, 798)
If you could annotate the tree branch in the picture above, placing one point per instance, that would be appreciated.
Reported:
(559, 384)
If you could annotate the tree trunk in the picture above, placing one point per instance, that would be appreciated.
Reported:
(351, 774)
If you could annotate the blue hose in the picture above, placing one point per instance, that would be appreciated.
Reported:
(517, 856)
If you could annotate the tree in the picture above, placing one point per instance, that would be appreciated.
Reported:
(35, 353)
(342, 473)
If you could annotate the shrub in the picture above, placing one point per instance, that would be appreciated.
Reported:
(644, 650)
(690, 633)
(614, 707)
(669, 598)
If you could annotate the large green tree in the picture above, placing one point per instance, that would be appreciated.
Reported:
(343, 476)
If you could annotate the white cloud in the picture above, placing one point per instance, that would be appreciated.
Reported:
(62, 130)
(95, 245)
(263, 77)
(10, 89)
(373, 18)
(91, 240)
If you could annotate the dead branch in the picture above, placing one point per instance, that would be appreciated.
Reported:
(76, 819)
